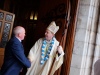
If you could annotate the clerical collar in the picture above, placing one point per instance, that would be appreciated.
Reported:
(48, 41)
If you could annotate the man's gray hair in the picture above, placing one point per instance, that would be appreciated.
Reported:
(17, 30)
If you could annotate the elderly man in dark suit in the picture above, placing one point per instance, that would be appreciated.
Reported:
(15, 59)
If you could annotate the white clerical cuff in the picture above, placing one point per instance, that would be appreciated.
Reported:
(57, 57)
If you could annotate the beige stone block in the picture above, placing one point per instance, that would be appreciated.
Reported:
(76, 61)
(74, 71)
(80, 35)
(84, 10)
(78, 48)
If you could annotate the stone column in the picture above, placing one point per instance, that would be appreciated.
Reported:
(93, 17)
(97, 46)
(85, 38)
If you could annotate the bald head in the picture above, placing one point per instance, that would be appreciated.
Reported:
(19, 32)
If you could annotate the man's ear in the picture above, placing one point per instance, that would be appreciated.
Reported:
(19, 34)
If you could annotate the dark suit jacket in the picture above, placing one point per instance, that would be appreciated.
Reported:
(14, 58)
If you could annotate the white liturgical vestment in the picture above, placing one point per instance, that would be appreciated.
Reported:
(35, 57)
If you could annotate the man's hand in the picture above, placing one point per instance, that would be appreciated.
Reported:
(59, 49)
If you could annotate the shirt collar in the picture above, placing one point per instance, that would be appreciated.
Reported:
(18, 39)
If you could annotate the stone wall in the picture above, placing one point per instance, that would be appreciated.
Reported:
(86, 46)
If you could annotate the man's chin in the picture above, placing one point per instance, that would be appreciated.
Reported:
(46, 38)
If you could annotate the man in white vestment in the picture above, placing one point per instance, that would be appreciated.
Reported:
(46, 55)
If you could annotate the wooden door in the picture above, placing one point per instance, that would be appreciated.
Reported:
(6, 25)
